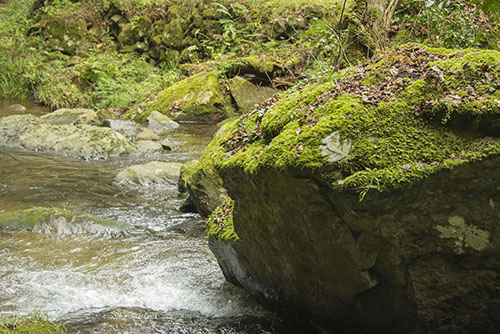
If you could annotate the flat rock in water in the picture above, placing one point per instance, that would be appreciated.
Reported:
(85, 141)
(61, 221)
(131, 130)
(72, 117)
(152, 172)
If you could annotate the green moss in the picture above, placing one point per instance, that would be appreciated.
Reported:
(393, 141)
(196, 98)
(291, 108)
(35, 323)
(219, 223)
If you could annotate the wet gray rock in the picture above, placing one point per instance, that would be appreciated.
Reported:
(72, 117)
(159, 123)
(131, 130)
(167, 144)
(152, 172)
(149, 147)
(84, 141)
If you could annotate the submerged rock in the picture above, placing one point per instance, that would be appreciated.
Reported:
(72, 117)
(84, 141)
(247, 95)
(195, 99)
(60, 221)
(152, 172)
(17, 108)
(369, 204)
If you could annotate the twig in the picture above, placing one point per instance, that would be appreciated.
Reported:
(339, 25)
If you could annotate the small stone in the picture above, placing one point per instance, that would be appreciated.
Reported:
(167, 144)
(17, 108)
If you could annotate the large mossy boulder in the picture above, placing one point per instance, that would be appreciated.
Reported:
(195, 99)
(368, 203)
(60, 221)
(85, 141)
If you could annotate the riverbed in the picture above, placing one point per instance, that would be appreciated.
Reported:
(158, 278)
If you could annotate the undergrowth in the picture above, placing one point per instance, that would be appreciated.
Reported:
(447, 23)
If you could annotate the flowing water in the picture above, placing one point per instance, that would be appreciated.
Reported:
(159, 278)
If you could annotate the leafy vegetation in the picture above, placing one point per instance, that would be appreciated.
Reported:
(452, 24)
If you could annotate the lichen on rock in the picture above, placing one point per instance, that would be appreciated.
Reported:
(464, 235)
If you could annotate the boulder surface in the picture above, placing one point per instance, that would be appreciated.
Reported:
(85, 141)
(368, 204)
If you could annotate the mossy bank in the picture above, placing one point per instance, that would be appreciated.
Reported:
(356, 183)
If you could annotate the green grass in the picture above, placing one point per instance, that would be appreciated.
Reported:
(14, 49)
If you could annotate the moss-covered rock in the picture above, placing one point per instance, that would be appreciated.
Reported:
(85, 141)
(60, 221)
(65, 36)
(33, 323)
(248, 95)
(186, 171)
(372, 189)
(195, 99)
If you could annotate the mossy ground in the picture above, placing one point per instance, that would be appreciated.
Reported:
(35, 323)
(396, 132)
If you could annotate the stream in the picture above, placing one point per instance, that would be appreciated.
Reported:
(159, 278)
